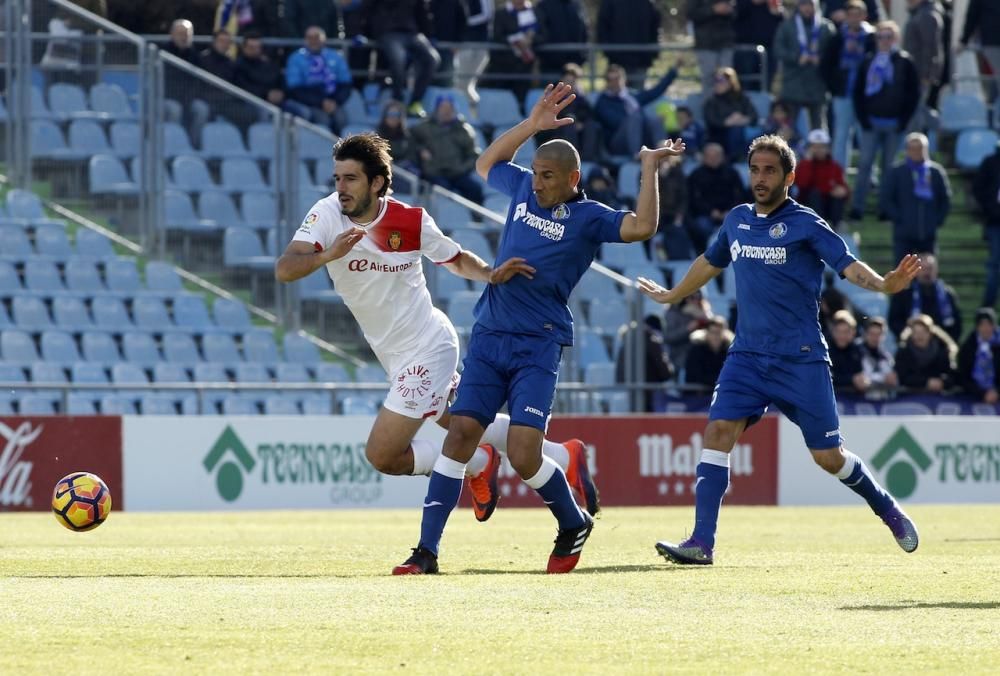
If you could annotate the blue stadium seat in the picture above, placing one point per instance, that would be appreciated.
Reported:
(111, 101)
(58, 347)
(449, 214)
(962, 111)
(191, 313)
(3, 111)
(324, 173)
(179, 213)
(312, 145)
(43, 277)
(158, 403)
(474, 241)
(51, 242)
(80, 404)
(370, 373)
(589, 348)
(498, 108)
(973, 146)
(254, 373)
(89, 373)
(261, 140)
(649, 271)
(234, 404)
(126, 373)
(460, 307)
(230, 315)
(48, 142)
(218, 207)
(356, 110)
(140, 348)
(107, 176)
(599, 373)
(100, 347)
(621, 256)
(318, 287)
(110, 315)
(300, 350)
(30, 314)
(180, 348)
(211, 372)
(35, 404)
(288, 372)
(88, 138)
(241, 174)
(328, 372)
(163, 279)
(68, 101)
(222, 139)
(242, 248)
(17, 347)
(39, 108)
(125, 139)
(607, 318)
(259, 346)
(151, 314)
(628, 180)
(280, 405)
(176, 141)
(5, 320)
(114, 403)
(497, 202)
(45, 372)
(761, 102)
(122, 276)
(459, 97)
(259, 209)
(319, 403)
(443, 283)
(220, 347)
(190, 174)
(14, 243)
(10, 373)
(359, 405)
(92, 244)
(25, 207)
(167, 372)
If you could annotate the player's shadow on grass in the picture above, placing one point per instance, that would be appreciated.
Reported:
(578, 571)
(913, 605)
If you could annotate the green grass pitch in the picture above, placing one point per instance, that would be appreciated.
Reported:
(793, 590)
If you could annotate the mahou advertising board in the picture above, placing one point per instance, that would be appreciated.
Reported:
(35, 452)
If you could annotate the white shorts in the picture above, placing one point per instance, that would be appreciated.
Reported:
(421, 384)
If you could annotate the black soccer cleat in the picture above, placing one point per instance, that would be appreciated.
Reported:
(421, 562)
(569, 544)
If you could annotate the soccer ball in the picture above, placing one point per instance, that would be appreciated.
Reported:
(81, 501)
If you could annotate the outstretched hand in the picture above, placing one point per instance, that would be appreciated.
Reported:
(900, 278)
(510, 268)
(545, 114)
(670, 147)
(345, 241)
(655, 291)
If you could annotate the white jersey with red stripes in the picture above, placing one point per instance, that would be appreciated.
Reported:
(382, 279)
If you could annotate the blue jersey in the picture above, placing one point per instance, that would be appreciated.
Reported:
(778, 264)
(560, 243)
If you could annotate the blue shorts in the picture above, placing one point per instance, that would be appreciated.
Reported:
(803, 391)
(508, 367)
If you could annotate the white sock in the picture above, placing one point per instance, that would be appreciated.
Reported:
(850, 461)
(425, 453)
(557, 452)
(544, 473)
(478, 463)
(718, 458)
(496, 435)
(449, 468)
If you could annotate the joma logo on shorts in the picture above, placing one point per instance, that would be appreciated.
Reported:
(546, 228)
(531, 409)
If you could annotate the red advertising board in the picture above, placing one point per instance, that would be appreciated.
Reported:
(651, 460)
(35, 452)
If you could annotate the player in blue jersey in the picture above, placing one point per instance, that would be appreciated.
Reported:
(522, 326)
(777, 248)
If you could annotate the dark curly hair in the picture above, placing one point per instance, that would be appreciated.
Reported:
(774, 144)
(371, 151)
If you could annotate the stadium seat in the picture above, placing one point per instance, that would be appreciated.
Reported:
(110, 315)
(324, 173)
(191, 313)
(254, 373)
(962, 111)
(3, 111)
(58, 347)
(107, 176)
(158, 403)
(30, 314)
(218, 208)
(89, 373)
(111, 101)
(497, 202)
(14, 244)
(68, 101)
(312, 145)
(190, 174)
(449, 214)
(122, 276)
(87, 138)
(162, 278)
(167, 372)
(5, 320)
(443, 283)
(261, 140)
(114, 403)
(474, 241)
(92, 244)
(242, 248)
(498, 108)
(35, 404)
(281, 405)
(151, 314)
(370, 373)
(599, 373)
(457, 95)
(621, 256)
(126, 373)
(608, 318)
(259, 347)
(328, 372)
(80, 404)
(220, 347)
(286, 372)
(180, 348)
(973, 146)
(675, 270)
(234, 404)
(179, 213)
(125, 139)
(51, 242)
(44, 372)
(359, 405)
(460, 307)
(356, 111)
(222, 139)
(628, 180)
(648, 270)
(317, 404)
(299, 349)
(241, 174)
(259, 210)
(14, 374)
(318, 287)
(100, 347)
(140, 348)
(761, 102)
(70, 314)
(589, 348)
(43, 277)
(25, 207)
(230, 315)
(176, 141)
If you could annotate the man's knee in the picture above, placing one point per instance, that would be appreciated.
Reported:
(830, 459)
(387, 460)
(721, 435)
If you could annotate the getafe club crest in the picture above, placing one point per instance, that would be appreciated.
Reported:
(778, 230)
(560, 212)
(395, 240)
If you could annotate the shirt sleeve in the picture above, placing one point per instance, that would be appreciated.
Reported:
(718, 251)
(507, 177)
(317, 228)
(436, 245)
(606, 224)
(830, 246)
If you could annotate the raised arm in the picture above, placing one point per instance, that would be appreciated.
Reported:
(859, 274)
(301, 258)
(644, 222)
(698, 275)
(545, 115)
(471, 266)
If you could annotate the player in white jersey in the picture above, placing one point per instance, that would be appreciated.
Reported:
(371, 246)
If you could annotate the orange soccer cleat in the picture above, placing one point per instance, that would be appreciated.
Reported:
(579, 477)
(485, 485)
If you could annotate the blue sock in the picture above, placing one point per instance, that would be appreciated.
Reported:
(855, 475)
(442, 496)
(550, 483)
(710, 487)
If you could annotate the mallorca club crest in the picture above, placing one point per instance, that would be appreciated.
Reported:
(560, 212)
(395, 240)
(778, 230)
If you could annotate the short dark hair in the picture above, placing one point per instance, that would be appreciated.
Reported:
(777, 145)
(371, 151)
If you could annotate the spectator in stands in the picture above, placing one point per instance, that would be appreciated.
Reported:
(400, 28)
(180, 86)
(728, 112)
(300, 15)
(625, 124)
(714, 23)
(658, 367)
(359, 52)
(798, 45)
(757, 22)
(393, 128)
(979, 358)
(318, 82)
(982, 17)
(922, 41)
(820, 180)
(601, 187)
(916, 196)
(471, 61)
(683, 319)
(672, 240)
(831, 301)
(216, 59)
(449, 19)
(689, 130)
(584, 133)
(515, 24)
(560, 22)
(707, 353)
(877, 364)
(258, 74)
(446, 146)
(837, 11)
(630, 22)
(181, 42)
(845, 354)
(930, 296)
(986, 190)
(886, 93)
(779, 122)
(926, 356)
(713, 188)
(839, 65)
